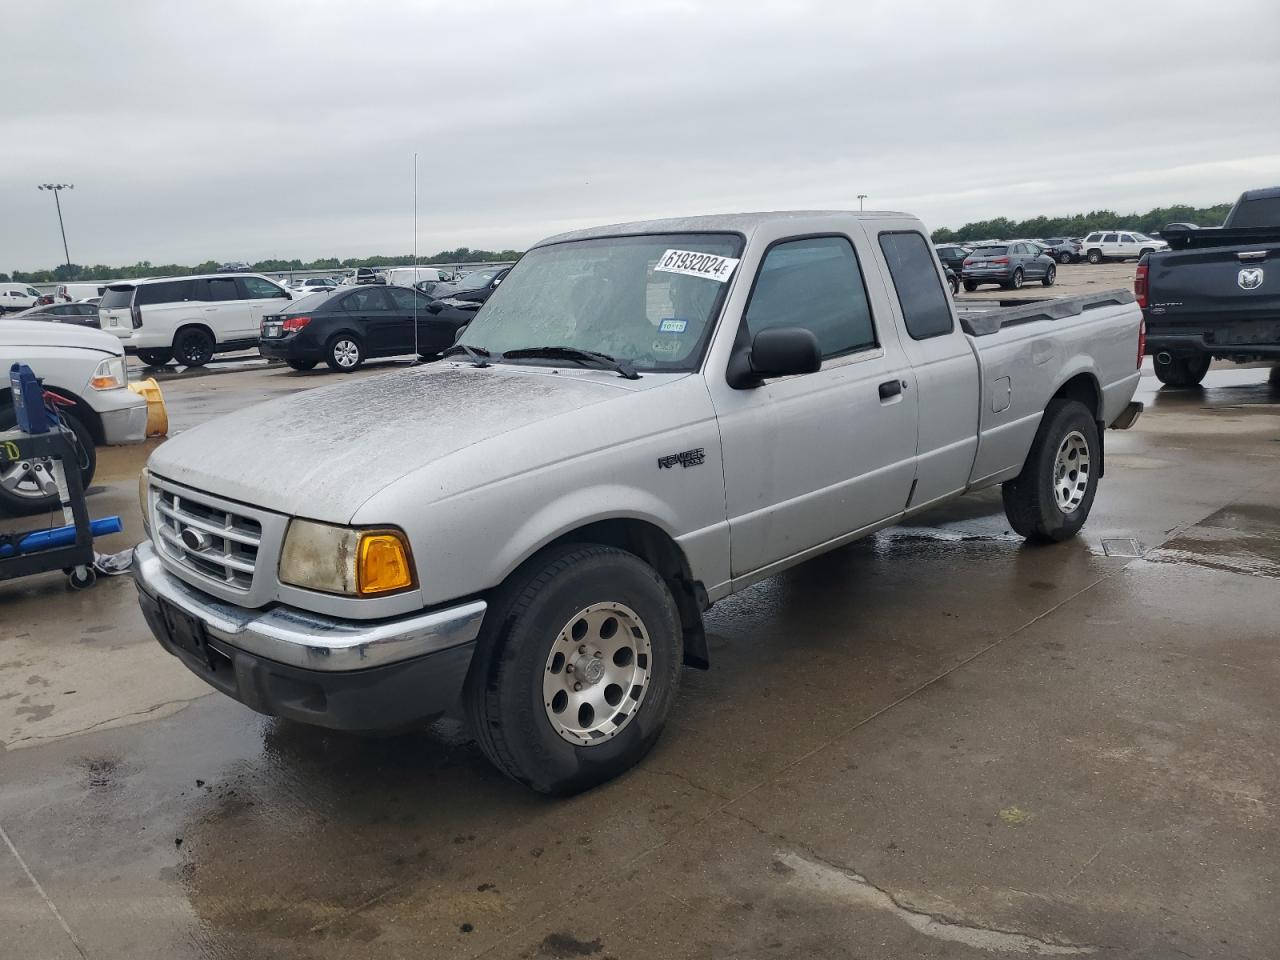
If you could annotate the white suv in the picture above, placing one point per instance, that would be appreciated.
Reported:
(1105, 245)
(189, 318)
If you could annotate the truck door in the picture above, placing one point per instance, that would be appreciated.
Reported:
(811, 458)
(946, 370)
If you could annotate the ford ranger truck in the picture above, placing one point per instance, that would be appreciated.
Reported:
(641, 420)
(1216, 293)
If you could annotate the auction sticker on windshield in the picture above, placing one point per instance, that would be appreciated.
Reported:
(694, 264)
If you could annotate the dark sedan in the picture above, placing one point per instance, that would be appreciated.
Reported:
(1065, 249)
(952, 256)
(1009, 265)
(474, 288)
(348, 327)
(81, 314)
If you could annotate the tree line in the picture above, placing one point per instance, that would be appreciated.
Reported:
(1002, 228)
(145, 268)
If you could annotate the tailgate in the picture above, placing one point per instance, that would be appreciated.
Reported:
(1216, 284)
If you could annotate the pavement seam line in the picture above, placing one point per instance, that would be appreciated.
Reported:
(821, 873)
(75, 941)
(93, 726)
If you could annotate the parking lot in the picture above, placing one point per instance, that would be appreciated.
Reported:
(937, 742)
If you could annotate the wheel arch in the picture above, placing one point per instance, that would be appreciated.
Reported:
(191, 325)
(82, 411)
(1083, 387)
(656, 547)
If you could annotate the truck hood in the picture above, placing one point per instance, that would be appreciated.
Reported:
(15, 332)
(322, 453)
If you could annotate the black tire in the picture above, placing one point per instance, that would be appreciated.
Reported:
(1095, 256)
(504, 690)
(344, 353)
(1030, 503)
(155, 358)
(1182, 371)
(1015, 283)
(955, 286)
(193, 346)
(302, 365)
(23, 500)
(77, 581)
(1274, 376)
(970, 286)
(1064, 258)
(1050, 275)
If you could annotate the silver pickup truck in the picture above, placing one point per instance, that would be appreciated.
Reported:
(642, 420)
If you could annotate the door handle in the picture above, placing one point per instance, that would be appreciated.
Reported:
(890, 389)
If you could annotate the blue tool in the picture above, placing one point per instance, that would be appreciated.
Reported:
(57, 537)
(28, 400)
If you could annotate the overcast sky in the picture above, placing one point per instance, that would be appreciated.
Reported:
(287, 129)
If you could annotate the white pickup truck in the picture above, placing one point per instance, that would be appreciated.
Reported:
(642, 420)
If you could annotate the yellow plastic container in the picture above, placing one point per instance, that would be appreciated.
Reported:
(157, 415)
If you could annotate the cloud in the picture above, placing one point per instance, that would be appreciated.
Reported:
(241, 131)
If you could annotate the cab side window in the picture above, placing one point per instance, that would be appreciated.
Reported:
(925, 308)
(407, 300)
(814, 283)
(1109, 238)
(259, 289)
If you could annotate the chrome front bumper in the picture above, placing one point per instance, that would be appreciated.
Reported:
(307, 640)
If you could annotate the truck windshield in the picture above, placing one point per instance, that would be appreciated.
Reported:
(638, 299)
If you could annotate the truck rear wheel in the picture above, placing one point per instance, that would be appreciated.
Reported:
(1051, 498)
(1181, 371)
(576, 668)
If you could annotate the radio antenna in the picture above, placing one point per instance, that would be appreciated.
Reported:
(417, 357)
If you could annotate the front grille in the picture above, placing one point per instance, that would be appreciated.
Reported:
(210, 540)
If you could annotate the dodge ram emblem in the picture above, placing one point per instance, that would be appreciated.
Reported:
(1250, 278)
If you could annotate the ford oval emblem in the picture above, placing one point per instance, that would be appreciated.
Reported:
(195, 540)
(1250, 278)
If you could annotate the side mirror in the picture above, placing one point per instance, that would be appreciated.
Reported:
(780, 352)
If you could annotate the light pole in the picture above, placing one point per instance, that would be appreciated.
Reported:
(861, 197)
(55, 187)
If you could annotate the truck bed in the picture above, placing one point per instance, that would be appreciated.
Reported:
(1027, 352)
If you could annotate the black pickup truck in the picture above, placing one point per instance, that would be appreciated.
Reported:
(1215, 293)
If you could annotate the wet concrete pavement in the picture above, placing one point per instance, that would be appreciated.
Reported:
(938, 742)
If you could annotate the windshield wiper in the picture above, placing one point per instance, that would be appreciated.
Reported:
(585, 357)
(477, 355)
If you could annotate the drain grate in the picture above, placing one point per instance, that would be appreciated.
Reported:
(1121, 547)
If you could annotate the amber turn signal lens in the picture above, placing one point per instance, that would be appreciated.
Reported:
(384, 564)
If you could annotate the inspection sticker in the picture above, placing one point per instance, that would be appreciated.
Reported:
(694, 264)
(670, 325)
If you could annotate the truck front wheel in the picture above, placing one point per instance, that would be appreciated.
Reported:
(576, 668)
(1181, 371)
(1051, 498)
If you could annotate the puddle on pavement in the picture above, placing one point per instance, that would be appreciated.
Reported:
(1242, 538)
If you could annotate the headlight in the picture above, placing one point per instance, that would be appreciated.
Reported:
(109, 374)
(344, 560)
(144, 498)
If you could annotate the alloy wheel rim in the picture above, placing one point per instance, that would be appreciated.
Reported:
(29, 479)
(346, 353)
(597, 674)
(1071, 472)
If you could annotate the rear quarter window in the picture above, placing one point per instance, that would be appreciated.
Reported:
(925, 308)
(168, 291)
